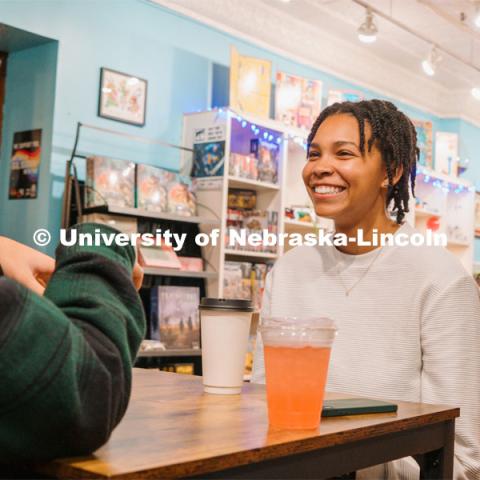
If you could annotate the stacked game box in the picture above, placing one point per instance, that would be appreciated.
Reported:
(174, 316)
(110, 182)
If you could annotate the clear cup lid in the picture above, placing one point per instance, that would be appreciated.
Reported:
(298, 332)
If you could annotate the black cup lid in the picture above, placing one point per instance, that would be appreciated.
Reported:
(226, 304)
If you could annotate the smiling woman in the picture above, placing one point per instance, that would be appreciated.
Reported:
(361, 157)
(408, 317)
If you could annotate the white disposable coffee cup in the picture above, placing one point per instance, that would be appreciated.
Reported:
(225, 327)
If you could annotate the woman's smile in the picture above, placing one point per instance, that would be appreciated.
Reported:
(324, 191)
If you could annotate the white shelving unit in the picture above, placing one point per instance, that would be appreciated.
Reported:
(237, 182)
(447, 203)
(212, 192)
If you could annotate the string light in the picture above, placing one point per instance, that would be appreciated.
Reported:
(265, 133)
(444, 185)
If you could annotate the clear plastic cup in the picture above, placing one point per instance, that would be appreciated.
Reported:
(297, 354)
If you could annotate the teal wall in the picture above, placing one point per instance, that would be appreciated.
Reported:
(178, 57)
(469, 147)
(29, 103)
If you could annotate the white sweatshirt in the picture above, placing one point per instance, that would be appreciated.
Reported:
(408, 330)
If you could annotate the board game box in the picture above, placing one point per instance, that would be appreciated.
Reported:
(175, 317)
(152, 187)
(267, 154)
(180, 197)
(242, 199)
(110, 182)
(209, 159)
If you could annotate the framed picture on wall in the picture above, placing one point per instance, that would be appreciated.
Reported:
(122, 97)
(477, 214)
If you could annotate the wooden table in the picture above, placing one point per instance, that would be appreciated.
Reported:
(173, 429)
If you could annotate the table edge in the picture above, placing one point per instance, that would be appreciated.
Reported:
(60, 469)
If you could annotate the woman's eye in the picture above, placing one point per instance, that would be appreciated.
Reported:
(313, 155)
(344, 153)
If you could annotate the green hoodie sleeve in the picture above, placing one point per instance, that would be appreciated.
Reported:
(66, 357)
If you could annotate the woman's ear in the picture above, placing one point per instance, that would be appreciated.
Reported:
(396, 177)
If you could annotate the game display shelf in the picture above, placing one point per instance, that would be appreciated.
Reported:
(74, 209)
(182, 355)
(236, 153)
(445, 204)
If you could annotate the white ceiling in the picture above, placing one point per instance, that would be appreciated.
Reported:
(437, 20)
(322, 33)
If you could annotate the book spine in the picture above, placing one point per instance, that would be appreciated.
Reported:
(154, 332)
(89, 198)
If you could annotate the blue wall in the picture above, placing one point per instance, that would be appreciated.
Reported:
(469, 147)
(29, 101)
(179, 57)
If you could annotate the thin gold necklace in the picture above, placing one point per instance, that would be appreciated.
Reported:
(364, 274)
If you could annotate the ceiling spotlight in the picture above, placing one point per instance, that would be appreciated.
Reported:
(476, 93)
(367, 31)
(476, 18)
(429, 65)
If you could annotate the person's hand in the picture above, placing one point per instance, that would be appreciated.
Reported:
(27, 266)
(137, 275)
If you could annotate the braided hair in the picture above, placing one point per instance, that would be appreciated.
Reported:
(394, 135)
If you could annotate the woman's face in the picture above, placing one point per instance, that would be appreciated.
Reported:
(343, 184)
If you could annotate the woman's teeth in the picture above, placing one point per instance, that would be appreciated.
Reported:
(328, 189)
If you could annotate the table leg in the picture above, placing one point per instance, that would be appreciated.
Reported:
(438, 465)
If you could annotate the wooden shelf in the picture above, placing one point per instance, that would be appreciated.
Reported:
(138, 212)
(246, 253)
(173, 272)
(170, 353)
(238, 182)
(455, 243)
(422, 213)
(297, 224)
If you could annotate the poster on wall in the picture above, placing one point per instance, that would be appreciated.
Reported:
(250, 84)
(122, 97)
(298, 100)
(424, 142)
(335, 96)
(25, 164)
(446, 153)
